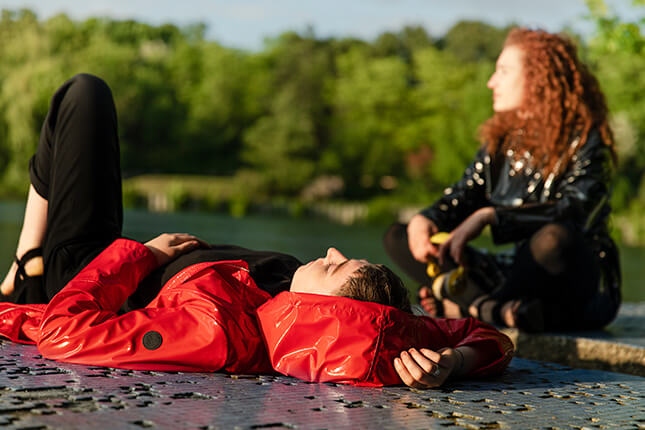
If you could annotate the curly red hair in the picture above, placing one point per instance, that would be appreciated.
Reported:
(562, 100)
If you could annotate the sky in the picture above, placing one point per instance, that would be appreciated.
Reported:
(245, 24)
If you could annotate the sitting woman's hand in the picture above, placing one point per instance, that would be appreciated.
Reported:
(168, 246)
(425, 368)
(468, 230)
(419, 231)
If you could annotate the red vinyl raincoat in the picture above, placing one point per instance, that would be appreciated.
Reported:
(213, 317)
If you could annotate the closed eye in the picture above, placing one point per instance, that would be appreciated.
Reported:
(338, 266)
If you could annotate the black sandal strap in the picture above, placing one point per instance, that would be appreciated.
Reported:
(32, 253)
(488, 311)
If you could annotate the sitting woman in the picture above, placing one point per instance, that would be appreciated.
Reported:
(89, 296)
(541, 180)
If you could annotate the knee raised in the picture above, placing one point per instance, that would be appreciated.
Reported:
(89, 86)
(395, 235)
(550, 243)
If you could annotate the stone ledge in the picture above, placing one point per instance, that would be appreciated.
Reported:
(619, 348)
(579, 352)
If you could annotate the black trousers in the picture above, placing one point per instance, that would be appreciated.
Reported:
(76, 169)
(562, 297)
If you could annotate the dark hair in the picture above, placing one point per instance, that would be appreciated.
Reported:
(377, 283)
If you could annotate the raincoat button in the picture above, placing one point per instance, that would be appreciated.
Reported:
(152, 340)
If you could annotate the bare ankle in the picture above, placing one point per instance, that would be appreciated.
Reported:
(35, 266)
(451, 309)
(473, 309)
(509, 312)
(6, 287)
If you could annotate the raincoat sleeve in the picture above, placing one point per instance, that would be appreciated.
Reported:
(81, 324)
(335, 339)
(21, 323)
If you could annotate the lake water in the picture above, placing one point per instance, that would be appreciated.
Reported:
(304, 238)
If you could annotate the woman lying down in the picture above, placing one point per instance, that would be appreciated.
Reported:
(84, 294)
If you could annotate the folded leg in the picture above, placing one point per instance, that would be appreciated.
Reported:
(76, 169)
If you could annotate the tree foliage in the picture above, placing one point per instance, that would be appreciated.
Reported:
(395, 115)
(617, 55)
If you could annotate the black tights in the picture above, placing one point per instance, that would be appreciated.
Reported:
(552, 274)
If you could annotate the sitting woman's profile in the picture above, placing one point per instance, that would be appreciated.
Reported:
(542, 180)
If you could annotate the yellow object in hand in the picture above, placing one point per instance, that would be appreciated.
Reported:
(439, 238)
(433, 268)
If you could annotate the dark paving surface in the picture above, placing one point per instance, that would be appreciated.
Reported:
(37, 393)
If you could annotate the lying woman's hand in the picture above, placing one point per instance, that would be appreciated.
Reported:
(425, 368)
(168, 246)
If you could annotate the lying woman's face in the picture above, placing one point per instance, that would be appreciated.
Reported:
(508, 80)
(325, 275)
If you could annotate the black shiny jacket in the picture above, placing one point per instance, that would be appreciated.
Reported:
(524, 200)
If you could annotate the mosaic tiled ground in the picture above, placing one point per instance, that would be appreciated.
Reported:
(37, 393)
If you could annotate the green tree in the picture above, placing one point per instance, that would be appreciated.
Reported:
(617, 55)
(284, 143)
(369, 100)
(452, 100)
(29, 72)
(474, 41)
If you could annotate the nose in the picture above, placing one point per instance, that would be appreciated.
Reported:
(491, 82)
(334, 256)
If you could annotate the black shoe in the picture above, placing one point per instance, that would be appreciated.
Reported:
(483, 269)
(530, 316)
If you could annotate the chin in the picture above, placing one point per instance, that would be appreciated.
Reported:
(501, 109)
(295, 280)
